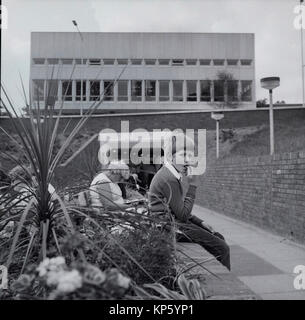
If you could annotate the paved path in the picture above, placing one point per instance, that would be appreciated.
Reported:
(261, 260)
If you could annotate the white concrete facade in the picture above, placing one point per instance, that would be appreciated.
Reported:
(156, 71)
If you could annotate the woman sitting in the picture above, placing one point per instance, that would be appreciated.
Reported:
(105, 191)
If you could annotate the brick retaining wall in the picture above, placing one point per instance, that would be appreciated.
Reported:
(266, 191)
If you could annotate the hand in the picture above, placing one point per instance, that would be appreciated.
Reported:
(207, 226)
(193, 180)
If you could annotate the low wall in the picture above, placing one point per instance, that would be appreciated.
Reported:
(266, 191)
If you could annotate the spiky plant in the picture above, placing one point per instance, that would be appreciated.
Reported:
(44, 210)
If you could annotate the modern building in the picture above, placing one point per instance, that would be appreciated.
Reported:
(143, 71)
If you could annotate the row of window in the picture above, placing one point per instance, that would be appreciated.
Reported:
(143, 90)
(149, 62)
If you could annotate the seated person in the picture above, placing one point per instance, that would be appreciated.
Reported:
(104, 189)
(166, 191)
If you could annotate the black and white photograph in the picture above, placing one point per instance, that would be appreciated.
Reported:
(152, 150)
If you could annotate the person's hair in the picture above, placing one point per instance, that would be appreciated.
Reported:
(176, 143)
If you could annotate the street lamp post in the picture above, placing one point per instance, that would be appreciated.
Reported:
(270, 83)
(302, 56)
(81, 37)
(217, 116)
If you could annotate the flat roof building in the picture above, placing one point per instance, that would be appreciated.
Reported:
(143, 71)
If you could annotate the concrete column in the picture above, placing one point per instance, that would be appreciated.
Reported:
(212, 90)
(171, 91)
(115, 92)
(129, 90)
(239, 90)
(88, 90)
(45, 90)
(102, 90)
(73, 90)
(184, 90)
(157, 91)
(143, 90)
(60, 91)
(198, 90)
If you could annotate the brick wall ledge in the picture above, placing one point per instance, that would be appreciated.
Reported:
(222, 284)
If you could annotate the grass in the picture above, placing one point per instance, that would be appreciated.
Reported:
(254, 141)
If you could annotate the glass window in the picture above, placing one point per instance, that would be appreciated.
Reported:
(232, 62)
(191, 62)
(177, 62)
(136, 90)
(52, 92)
(246, 62)
(39, 61)
(177, 90)
(246, 90)
(219, 62)
(164, 90)
(67, 90)
(94, 90)
(81, 90)
(53, 61)
(205, 62)
(108, 90)
(164, 62)
(122, 90)
(94, 62)
(38, 90)
(232, 90)
(150, 90)
(150, 62)
(191, 87)
(205, 90)
(67, 61)
(219, 90)
(109, 61)
(122, 61)
(136, 61)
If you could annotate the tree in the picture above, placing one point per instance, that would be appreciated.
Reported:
(262, 103)
(228, 86)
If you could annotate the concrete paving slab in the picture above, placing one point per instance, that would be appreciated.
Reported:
(297, 295)
(246, 263)
(279, 283)
(262, 260)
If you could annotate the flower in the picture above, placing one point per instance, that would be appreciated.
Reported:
(123, 282)
(93, 275)
(54, 264)
(117, 279)
(69, 281)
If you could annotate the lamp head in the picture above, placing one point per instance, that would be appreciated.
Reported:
(74, 22)
(270, 83)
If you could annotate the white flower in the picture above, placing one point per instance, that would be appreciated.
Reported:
(123, 282)
(69, 281)
(53, 278)
(42, 268)
(94, 275)
(54, 264)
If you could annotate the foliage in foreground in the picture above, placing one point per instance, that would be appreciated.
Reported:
(39, 241)
(54, 279)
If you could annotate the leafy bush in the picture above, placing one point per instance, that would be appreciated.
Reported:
(151, 248)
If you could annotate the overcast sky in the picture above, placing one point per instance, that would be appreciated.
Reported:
(277, 42)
